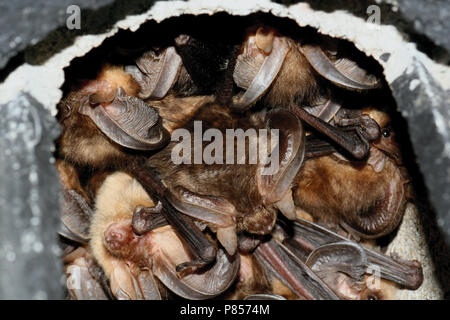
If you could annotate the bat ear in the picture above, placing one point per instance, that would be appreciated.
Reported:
(383, 217)
(80, 283)
(282, 263)
(264, 39)
(156, 73)
(128, 282)
(75, 217)
(308, 236)
(343, 72)
(120, 93)
(106, 95)
(255, 70)
(215, 210)
(341, 266)
(123, 283)
(276, 174)
(206, 283)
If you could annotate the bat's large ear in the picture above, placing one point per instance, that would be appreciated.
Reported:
(75, 217)
(257, 66)
(277, 172)
(343, 72)
(128, 121)
(156, 73)
(214, 210)
(384, 216)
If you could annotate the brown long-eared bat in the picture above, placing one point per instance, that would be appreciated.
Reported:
(103, 118)
(310, 260)
(132, 261)
(367, 198)
(284, 72)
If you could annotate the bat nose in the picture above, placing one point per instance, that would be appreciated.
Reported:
(115, 237)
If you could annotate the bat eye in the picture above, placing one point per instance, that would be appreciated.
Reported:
(372, 297)
(386, 133)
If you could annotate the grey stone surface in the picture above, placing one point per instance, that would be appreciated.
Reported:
(29, 202)
(426, 107)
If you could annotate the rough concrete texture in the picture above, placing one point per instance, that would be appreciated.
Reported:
(411, 243)
(29, 204)
(431, 17)
(419, 85)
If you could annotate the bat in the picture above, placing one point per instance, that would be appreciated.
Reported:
(284, 72)
(235, 197)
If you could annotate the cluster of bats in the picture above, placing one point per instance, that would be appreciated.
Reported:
(137, 226)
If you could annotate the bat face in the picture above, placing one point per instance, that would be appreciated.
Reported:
(102, 117)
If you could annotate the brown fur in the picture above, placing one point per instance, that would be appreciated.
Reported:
(113, 244)
(280, 289)
(116, 77)
(177, 112)
(235, 183)
(331, 190)
(335, 191)
(295, 83)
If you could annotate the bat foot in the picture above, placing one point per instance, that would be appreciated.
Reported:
(147, 218)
